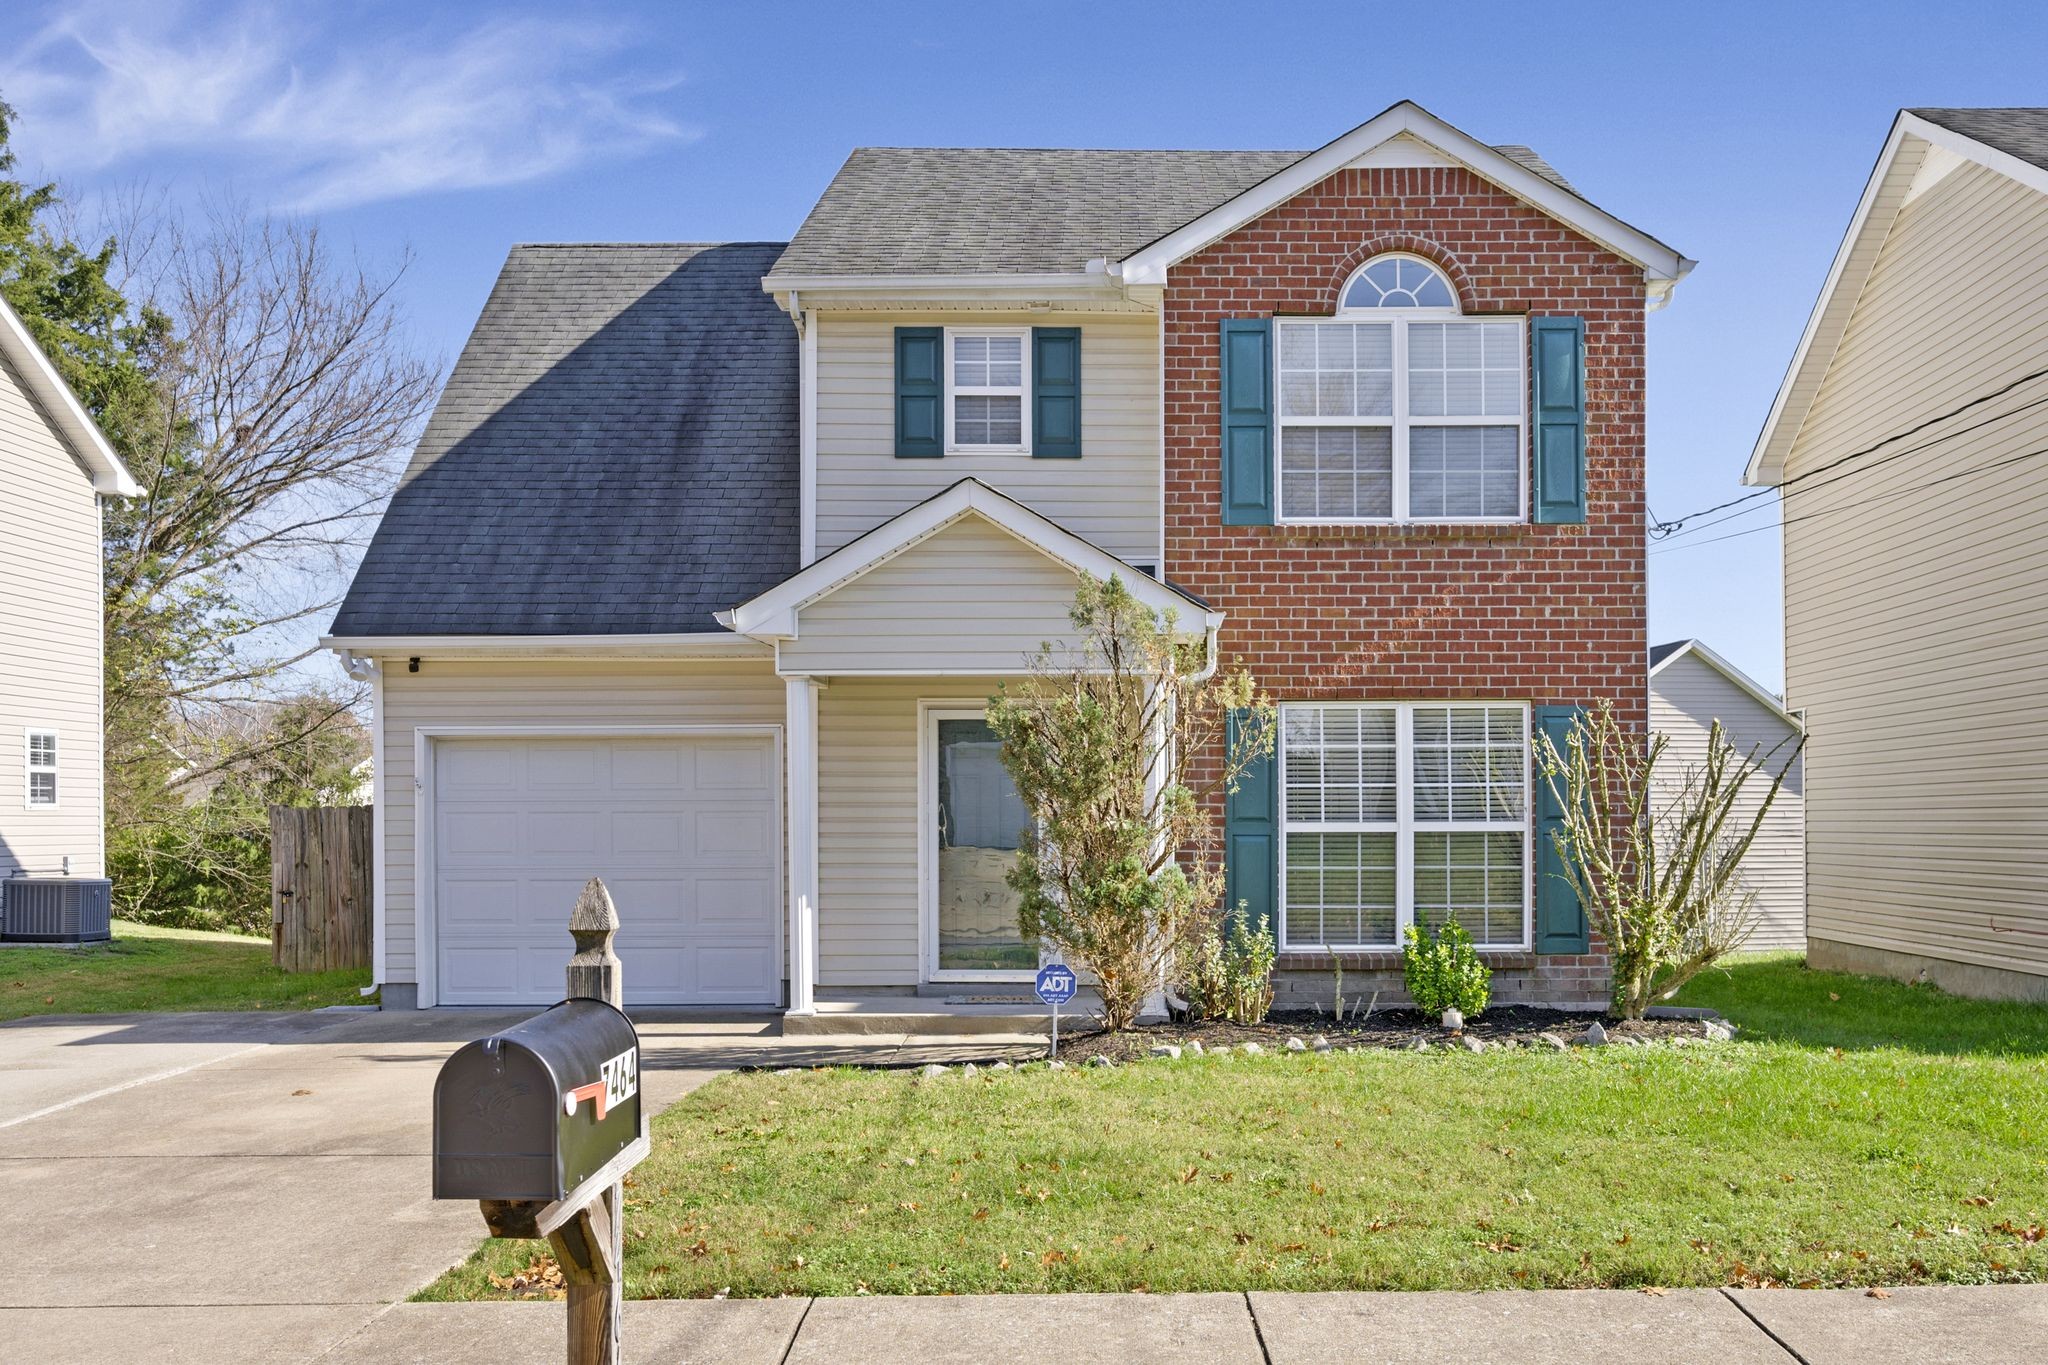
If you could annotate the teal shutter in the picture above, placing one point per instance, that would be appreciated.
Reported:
(1558, 359)
(1560, 921)
(1056, 393)
(1251, 833)
(1247, 421)
(920, 392)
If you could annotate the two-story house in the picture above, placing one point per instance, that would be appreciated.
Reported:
(711, 556)
(55, 467)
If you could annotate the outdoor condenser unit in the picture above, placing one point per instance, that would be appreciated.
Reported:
(56, 909)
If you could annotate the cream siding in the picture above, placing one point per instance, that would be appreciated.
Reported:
(1687, 696)
(1110, 496)
(970, 598)
(1916, 612)
(50, 662)
(868, 813)
(542, 694)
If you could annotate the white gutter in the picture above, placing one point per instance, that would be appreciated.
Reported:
(694, 644)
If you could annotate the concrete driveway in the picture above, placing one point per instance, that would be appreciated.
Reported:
(213, 1187)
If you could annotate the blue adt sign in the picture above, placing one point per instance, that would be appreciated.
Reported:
(1056, 984)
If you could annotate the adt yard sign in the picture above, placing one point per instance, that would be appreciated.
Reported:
(1056, 986)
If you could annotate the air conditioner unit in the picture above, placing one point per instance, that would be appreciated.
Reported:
(56, 910)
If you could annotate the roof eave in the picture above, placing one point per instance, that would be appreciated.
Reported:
(109, 475)
(1662, 266)
(1755, 690)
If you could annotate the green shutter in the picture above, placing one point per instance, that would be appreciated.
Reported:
(1251, 833)
(1560, 921)
(920, 392)
(1558, 361)
(1056, 393)
(1247, 421)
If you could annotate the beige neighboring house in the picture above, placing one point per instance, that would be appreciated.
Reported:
(1691, 687)
(55, 466)
(1910, 441)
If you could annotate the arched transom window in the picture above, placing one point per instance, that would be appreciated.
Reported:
(1400, 408)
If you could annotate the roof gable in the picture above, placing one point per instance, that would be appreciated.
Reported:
(66, 414)
(1922, 147)
(1662, 265)
(1663, 656)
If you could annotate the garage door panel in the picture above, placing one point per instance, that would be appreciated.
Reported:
(684, 832)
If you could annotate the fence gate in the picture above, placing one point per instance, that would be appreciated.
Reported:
(320, 887)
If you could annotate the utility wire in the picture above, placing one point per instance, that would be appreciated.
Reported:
(1861, 502)
(1875, 464)
(1660, 530)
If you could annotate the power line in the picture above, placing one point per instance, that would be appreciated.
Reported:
(1861, 502)
(1876, 464)
(1661, 530)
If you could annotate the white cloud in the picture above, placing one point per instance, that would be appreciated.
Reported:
(331, 119)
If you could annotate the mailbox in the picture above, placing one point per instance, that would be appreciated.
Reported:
(548, 1110)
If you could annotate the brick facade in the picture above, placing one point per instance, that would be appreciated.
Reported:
(1523, 613)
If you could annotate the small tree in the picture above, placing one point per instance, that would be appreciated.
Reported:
(1662, 882)
(1119, 745)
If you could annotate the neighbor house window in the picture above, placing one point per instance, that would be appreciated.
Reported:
(42, 767)
(987, 379)
(1402, 813)
(1399, 408)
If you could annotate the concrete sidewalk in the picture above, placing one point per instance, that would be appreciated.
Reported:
(1984, 1326)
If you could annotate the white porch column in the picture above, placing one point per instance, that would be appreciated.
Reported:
(800, 717)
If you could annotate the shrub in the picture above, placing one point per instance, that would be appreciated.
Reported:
(1229, 974)
(1445, 972)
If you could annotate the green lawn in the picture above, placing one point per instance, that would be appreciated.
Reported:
(1861, 1133)
(152, 968)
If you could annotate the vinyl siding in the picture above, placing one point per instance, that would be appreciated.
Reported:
(564, 694)
(1916, 613)
(1686, 697)
(1110, 496)
(50, 663)
(868, 814)
(971, 598)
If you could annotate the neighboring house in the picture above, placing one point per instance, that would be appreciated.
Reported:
(55, 466)
(1691, 687)
(711, 556)
(1908, 443)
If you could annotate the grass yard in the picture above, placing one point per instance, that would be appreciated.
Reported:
(150, 968)
(1861, 1133)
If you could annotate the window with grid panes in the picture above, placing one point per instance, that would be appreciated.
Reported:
(41, 746)
(987, 381)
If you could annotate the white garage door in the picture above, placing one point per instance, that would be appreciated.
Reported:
(685, 833)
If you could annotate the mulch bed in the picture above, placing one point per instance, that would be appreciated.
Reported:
(1501, 1026)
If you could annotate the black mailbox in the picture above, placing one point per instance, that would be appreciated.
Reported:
(548, 1110)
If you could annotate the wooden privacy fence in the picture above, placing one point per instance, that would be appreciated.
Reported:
(320, 887)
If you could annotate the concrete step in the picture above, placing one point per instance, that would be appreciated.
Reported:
(954, 1016)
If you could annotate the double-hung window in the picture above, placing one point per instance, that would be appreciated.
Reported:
(1403, 813)
(988, 384)
(1400, 408)
(40, 752)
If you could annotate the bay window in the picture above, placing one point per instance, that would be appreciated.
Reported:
(1400, 408)
(1400, 813)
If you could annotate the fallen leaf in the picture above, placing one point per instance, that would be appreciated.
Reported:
(981, 1215)
(1655, 1290)
(1241, 1237)
(1003, 1261)
(1053, 1256)
(1187, 1177)
(1981, 1201)
(1833, 996)
(1877, 1292)
(302, 1092)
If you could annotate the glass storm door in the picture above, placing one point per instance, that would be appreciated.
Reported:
(979, 822)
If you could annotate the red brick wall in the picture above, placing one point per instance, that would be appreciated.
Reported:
(1534, 613)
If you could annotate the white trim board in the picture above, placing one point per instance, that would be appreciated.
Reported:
(426, 939)
(1916, 152)
(1662, 265)
(710, 644)
(62, 407)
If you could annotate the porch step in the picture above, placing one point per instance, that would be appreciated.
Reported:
(950, 1016)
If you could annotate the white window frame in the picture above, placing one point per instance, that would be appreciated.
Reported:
(1400, 422)
(1404, 825)
(29, 767)
(929, 713)
(1022, 391)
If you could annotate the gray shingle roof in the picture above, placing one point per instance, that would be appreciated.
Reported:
(615, 453)
(2021, 132)
(1020, 211)
(1659, 653)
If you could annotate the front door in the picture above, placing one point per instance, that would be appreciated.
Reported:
(974, 823)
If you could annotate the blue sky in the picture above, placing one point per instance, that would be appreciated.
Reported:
(1739, 133)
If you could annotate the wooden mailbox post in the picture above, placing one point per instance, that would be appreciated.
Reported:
(541, 1122)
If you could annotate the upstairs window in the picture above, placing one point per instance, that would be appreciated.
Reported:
(1399, 408)
(988, 378)
(41, 746)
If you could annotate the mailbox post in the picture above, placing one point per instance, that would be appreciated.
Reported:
(541, 1122)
